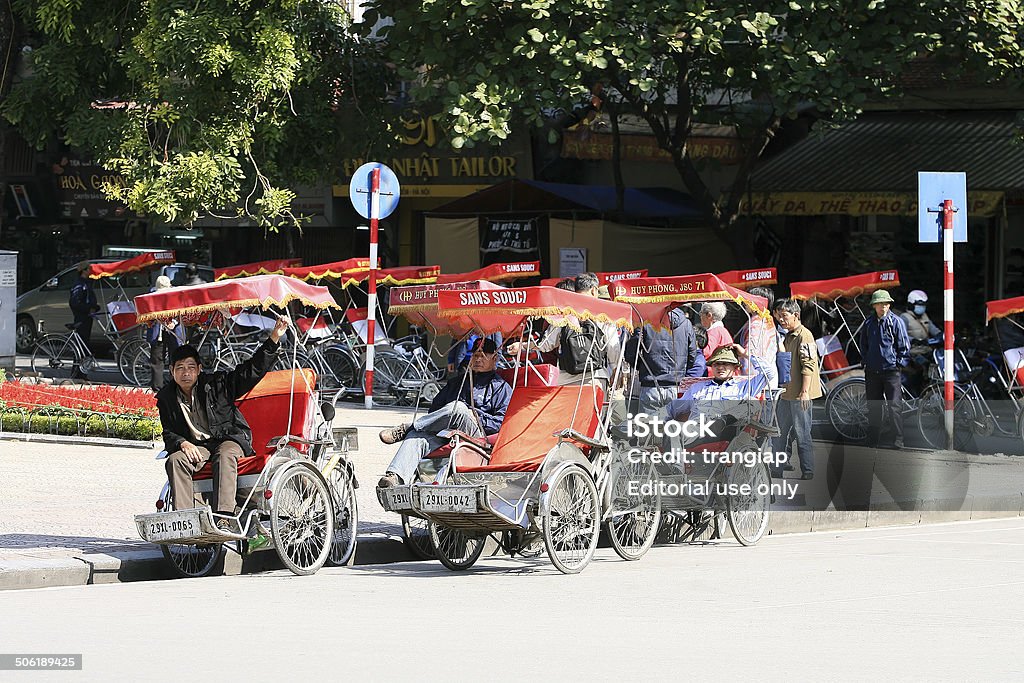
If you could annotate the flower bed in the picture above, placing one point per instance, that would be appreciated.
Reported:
(84, 411)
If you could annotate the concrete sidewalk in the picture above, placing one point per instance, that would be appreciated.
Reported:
(66, 511)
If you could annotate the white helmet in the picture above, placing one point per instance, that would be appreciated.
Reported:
(917, 297)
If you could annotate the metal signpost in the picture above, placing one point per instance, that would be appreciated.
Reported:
(374, 192)
(942, 215)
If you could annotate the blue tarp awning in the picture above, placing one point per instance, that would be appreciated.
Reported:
(539, 196)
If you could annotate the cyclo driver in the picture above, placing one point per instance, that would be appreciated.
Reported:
(201, 422)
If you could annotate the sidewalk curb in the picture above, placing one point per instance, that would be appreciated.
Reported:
(147, 563)
(69, 439)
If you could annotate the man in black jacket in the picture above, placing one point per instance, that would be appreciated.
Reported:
(473, 402)
(200, 421)
(666, 356)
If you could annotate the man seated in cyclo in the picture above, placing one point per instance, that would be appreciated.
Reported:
(472, 402)
(723, 395)
(201, 422)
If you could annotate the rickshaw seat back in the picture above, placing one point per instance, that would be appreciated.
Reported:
(834, 362)
(316, 328)
(541, 374)
(534, 414)
(1015, 364)
(265, 408)
(122, 315)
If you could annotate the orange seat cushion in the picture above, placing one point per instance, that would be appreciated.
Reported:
(835, 361)
(533, 415)
(265, 408)
(540, 374)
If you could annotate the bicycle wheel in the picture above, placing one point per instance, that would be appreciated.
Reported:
(456, 549)
(125, 356)
(290, 359)
(341, 369)
(931, 412)
(346, 516)
(142, 367)
(416, 533)
(302, 520)
(56, 354)
(634, 507)
(748, 512)
(571, 520)
(847, 410)
(389, 372)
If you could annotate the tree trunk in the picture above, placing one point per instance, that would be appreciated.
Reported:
(620, 186)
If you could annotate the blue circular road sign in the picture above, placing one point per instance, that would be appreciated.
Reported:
(359, 189)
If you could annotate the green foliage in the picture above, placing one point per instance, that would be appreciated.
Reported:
(731, 63)
(205, 106)
(53, 421)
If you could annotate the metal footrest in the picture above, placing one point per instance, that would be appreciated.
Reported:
(395, 499)
(193, 526)
(465, 507)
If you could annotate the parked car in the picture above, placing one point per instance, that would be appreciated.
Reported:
(48, 303)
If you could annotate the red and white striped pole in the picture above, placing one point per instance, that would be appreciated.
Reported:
(371, 304)
(948, 373)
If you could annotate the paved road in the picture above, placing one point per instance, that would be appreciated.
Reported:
(935, 602)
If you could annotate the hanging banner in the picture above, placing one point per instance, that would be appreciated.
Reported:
(510, 235)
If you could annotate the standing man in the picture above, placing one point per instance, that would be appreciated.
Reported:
(82, 302)
(201, 422)
(665, 358)
(163, 339)
(885, 346)
(794, 410)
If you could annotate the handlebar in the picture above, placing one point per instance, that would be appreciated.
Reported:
(573, 435)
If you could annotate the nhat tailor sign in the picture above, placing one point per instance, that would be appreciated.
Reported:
(427, 166)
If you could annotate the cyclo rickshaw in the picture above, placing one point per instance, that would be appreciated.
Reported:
(551, 474)
(418, 305)
(700, 482)
(297, 491)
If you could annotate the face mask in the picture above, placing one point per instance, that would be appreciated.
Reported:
(919, 309)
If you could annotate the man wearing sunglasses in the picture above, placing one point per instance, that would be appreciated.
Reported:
(472, 402)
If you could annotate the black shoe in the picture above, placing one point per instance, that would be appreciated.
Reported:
(388, 481)
(807, 475)
(395, 434)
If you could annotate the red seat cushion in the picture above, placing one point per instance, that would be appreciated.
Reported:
(541, 374)
(533, 415)
(265, 408)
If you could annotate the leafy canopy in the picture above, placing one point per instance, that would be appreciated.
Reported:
(743, 64)
(206, 105)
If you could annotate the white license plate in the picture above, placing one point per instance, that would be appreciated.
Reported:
(172, 525)
(398, 498)
(438, 499)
